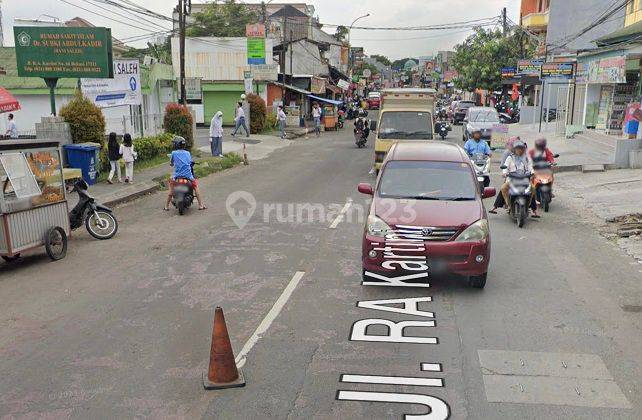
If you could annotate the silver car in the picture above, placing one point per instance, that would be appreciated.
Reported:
(481, 118)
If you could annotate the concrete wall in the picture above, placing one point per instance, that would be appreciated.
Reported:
(306, 59)
(568, 17)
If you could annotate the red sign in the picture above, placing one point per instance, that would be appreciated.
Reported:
(255, 30)
(7, 102)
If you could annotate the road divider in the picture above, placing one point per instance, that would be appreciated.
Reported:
(269, 318)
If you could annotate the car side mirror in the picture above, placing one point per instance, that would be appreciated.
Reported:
(366, 189)
(556, 156)
(503, 167)
(489, 192)
(373, 126)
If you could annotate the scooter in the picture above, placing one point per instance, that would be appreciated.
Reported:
(543, 183)
(342, 118)
(481, 162)
(360, 137)
(442, 128)
(519, 196)
(99, 220)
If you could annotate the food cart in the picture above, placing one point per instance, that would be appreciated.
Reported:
(330, 117)
(33, 204)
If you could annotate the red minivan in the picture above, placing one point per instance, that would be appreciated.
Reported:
(427, 193)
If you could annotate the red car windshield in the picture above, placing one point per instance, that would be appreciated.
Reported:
(427, 180)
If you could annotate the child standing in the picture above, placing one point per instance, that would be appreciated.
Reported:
(129, 156)
(113, 152)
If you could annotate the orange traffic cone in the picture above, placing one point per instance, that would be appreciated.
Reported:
(222, 371)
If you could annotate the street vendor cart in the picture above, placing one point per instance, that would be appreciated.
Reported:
(33, 203)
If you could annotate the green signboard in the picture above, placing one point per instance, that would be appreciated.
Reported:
(56, 52)
(255, 50)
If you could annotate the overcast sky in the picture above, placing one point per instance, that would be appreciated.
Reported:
(389, 13)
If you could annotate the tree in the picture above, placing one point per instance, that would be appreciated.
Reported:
(225, 19)
(257, 113)
(161, 52)
(373, 70)
(480, 58)
(398, 64)
(178, 121)
(342, 33)
(85, 119)
(382, 59)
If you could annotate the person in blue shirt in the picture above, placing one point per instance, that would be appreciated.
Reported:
(476, 144)
(181, 160)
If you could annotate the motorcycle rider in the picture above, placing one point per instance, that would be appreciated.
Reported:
(181, 160)
(520, 163)
(541, 153)
(476, 144)
(361, 123)
(499, 200)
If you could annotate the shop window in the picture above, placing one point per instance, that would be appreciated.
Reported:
(17, 179)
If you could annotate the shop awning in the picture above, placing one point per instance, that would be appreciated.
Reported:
(293, 88)
(7, 102)
(330, 101)
(624, 34)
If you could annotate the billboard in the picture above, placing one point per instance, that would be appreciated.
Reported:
(509, 72)
(256, 51)
(57, 51)
(263, 72)
(123, 89)
(561, 70)
(529, 67)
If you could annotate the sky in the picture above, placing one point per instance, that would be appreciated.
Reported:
(383, 13)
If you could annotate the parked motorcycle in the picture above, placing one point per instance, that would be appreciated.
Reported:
(519, 196)
(481, 162)
(99, 220)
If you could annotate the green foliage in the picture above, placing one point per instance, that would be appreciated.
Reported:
(374, 70)
(382, 59)
(399, 64)
(223, 19)
(341, 33)
(480, 58)
(178, 121)
(270, 121)
(162, 53)
(212, 165)
(85, 119)
(147, 148)
(257, 113)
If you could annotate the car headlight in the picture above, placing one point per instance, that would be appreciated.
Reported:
(476, 232)
(377, 227)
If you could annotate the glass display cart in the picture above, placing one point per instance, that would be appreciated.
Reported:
(33, 203)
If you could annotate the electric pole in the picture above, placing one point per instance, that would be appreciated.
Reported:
(1, 33)
(504, 24)
(282, 57)
(184, 8)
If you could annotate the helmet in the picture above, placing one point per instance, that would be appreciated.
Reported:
(520, 144)
(179, 143)
(362, 113)
(540, 143)
(511, 142)
(476, 130)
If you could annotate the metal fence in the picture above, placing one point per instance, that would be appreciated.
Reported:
(135, 124)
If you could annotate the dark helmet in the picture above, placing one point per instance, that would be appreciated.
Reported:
(179, 143)
(540, 143)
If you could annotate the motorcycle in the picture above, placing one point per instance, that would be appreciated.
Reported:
(183, 196)
(481, 162)
(442, 128)
(99, 220)
(543, 183)
(519, 196)
(360, 137)
(342, 118)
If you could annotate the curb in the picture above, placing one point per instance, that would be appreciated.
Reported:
(134, 195)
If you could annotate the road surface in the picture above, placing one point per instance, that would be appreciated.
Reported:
(121, 329)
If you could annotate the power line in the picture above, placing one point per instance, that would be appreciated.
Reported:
(104, 16)
(125, 16)
(133, 7)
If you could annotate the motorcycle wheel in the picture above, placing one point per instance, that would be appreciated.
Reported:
(522, 213)
(546, 201)
(102, 227)
(181, 207)
(11, 259)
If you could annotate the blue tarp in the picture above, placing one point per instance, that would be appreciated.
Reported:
(330, 101)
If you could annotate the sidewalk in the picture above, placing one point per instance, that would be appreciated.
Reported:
(257, 147)
(574, 153)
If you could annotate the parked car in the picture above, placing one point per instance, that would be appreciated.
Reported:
(460, 110)
(429, 191)
(481, 118)
(374, 100)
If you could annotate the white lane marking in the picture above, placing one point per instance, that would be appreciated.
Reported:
(431, 367)
(341, 214)
(392, 380)
(241, 358)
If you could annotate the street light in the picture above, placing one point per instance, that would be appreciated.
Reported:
(349, 44)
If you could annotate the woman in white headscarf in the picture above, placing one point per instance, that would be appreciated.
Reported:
(216, 134)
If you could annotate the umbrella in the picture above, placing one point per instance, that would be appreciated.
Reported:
(7, 102)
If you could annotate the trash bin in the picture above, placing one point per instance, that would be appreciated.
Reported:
(86, 157)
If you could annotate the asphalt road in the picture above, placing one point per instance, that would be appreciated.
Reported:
(121, 329)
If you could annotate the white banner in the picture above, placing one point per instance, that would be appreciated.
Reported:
(343, 84)
(123, 89)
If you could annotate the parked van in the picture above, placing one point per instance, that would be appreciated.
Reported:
(405, 116)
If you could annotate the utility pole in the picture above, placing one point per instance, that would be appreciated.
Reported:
(1, 33)
(282, 57)
(183, 6)
(504, 23)
(290, 47)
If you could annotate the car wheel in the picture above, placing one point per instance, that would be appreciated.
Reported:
(478, 282)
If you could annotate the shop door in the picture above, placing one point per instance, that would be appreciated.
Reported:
(578, 105)
(563, 94)
(224, 101)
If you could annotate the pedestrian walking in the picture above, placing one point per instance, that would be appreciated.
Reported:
(240, 120)
(12, 130)
(282, 118)
(216, 134)
(129, 156)
(316, 116)
(114, 155)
